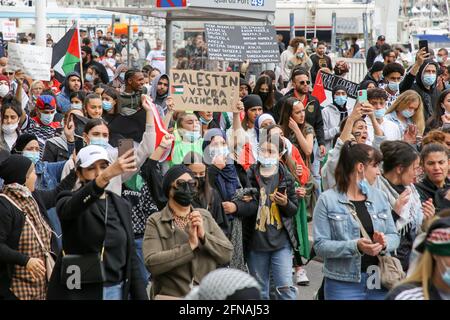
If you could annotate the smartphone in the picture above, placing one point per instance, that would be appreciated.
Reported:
(423, 44)
(282, 189)
(252, 78)
(301, 45)
(124, 145)
(362, 95)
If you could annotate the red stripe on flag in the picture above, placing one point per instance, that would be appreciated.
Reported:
(74, 46)
(160, 129)
(170, 3)
(319, 90)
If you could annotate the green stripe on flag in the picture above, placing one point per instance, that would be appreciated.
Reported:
(70, 61)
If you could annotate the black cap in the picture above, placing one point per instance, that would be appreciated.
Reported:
(380, 38)
(252, 100)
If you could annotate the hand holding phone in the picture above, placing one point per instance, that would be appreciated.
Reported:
(125, 145)
(424, 44)
(362, 96)
(282, 189)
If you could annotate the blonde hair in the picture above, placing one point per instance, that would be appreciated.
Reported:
(423, 273)
(35, 83)
(403, 102)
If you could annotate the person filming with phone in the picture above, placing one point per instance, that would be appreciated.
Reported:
(97, 234)
(182, 244)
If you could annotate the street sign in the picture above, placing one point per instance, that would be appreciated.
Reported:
(170, 3)
(253, 5)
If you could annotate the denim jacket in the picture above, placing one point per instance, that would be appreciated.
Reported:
(49, 174)
(336, 232)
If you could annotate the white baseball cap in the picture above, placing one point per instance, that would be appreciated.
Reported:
(91, 154)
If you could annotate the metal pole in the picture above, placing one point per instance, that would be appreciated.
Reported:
(448, 14)
(129, 41)
(366, 32)
(333, 32)
(169, 44)
(41, 29)
(292, 24)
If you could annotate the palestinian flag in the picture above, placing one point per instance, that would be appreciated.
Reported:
(66, 54)
(178, 89)
(160, 128)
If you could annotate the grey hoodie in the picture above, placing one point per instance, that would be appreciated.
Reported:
(160, 101)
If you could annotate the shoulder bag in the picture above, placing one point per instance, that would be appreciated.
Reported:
(390, 267)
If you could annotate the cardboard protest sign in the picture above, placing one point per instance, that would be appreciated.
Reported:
(34, 61)
(9, 30)
(204, 91)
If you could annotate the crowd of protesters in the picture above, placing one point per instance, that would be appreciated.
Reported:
(232, 191)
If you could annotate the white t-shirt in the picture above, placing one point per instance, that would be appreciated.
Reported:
(390, 129)
(10, 139)
(157, 59)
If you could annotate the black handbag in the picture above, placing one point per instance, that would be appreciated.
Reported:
(90, 266)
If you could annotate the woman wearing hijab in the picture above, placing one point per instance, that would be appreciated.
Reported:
(26, 237)
(334, 114)
(118, 81)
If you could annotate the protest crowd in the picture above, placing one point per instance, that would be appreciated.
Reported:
(112, 190)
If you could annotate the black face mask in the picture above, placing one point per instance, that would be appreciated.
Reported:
(264, 95)
(201, 182)
(184, 195)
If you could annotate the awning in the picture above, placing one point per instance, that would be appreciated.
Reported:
(433, 38)
(195, 14)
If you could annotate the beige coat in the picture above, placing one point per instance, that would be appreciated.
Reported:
(173, 264)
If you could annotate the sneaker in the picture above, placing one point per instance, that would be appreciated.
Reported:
(300, 278)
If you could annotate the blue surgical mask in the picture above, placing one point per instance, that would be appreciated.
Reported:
(300, 55)
(76, 106)
(204, 121)
(429, 79)
(447, 85)
(340, 100)
(394, 86)
(47, 118)
(122, 76)
(191, 135)
(32, 155)
(439, 59)
(107, 105)
(219, 151)
(102, 142)
(446, 276)
(379, 114)
(407, 114)
(267, 162)
(89, 77)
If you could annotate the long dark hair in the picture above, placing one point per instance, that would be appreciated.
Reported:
(204, 195)
(397, 153)
(286, 113)
(353, 153)
(113, 94)
(270, 101)
(13, 104)
(435, 120)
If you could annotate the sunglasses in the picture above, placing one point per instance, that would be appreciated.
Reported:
(183, 184)
(302, 83)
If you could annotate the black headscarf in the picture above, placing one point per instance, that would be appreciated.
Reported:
(14, 169)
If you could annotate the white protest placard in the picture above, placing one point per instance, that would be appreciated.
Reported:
(34, 61)
(9, 30)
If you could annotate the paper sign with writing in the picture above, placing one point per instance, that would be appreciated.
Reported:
(9, 30)
(204, 91)
(34, 61)
(330, 81)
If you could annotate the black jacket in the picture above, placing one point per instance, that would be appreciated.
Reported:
(428, 189)
(371, 55)
(249, 210)
(316, 66)
(313, 115)
(429, 96)
(12, 221)
(55, 153)
(84, 232)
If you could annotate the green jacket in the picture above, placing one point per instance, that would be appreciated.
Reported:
(174, 266)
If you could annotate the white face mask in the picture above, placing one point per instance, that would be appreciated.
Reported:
(9, 128)
(4, 90)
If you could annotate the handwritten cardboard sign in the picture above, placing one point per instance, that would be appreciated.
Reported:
(34, 61)
(204, 91)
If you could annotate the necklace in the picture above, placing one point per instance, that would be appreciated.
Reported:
(180, 222)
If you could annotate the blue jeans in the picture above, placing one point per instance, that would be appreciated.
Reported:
(342, 290)
(141, 263)
(113, 292)
(260, 263)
